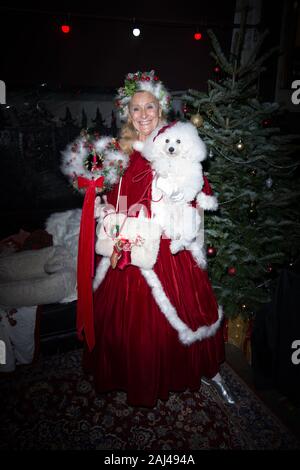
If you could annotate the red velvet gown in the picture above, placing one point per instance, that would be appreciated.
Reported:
(136, 349)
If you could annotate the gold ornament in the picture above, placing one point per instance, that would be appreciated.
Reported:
(197, 120)
(240, 145)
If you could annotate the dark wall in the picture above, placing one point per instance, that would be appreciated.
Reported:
(99, 53)
(271, 20)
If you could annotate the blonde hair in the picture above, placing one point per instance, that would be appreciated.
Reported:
(128, 134)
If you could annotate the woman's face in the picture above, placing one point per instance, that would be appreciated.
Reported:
(144, 112)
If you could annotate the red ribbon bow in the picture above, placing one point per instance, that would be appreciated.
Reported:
(85, 261)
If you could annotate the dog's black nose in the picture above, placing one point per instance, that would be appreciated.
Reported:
(171, 149)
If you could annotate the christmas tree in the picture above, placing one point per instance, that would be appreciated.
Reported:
(252, 169)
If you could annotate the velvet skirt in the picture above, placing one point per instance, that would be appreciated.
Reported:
(137, 350)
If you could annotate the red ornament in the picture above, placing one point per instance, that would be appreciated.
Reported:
(216, 69)
(270, 268)
(211, 251)
(266, 123)
(231, 271)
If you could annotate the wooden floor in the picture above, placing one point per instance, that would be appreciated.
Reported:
(281, 406)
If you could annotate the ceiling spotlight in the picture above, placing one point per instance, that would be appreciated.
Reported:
(136, 31)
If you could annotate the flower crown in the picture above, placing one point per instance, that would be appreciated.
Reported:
(141, 81)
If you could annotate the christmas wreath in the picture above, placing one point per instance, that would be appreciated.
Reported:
(91, 156)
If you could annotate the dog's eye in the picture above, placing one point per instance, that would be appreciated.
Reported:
(167, 141)
(178, 141)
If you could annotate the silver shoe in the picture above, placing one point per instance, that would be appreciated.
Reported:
(221, 389)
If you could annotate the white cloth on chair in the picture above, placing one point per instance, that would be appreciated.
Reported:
(17, 329)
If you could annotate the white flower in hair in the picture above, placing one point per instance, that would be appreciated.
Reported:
(141, 81)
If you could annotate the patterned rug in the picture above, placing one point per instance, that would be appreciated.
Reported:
(52, 405)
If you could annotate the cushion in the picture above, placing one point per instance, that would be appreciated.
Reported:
(39, 290)
(25, 264)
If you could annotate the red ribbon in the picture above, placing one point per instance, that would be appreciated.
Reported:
(125, 258)
(85, 261)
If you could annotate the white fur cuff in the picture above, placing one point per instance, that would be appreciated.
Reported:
(207, 202)
(138, 145)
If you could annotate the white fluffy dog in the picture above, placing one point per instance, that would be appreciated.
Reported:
(175, 153)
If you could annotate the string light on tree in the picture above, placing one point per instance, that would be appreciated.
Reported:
(197, 36)
(272, 270)
(217, 73)
(252, 210)
(244, 308)
(292, 260)
(184, 108)
(269, 182)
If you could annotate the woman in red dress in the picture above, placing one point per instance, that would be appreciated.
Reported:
(137, 350)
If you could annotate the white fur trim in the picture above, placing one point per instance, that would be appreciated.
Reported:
(186, 335)
(198, 254)
(101, 271)
(138, 145)
(207, 202)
